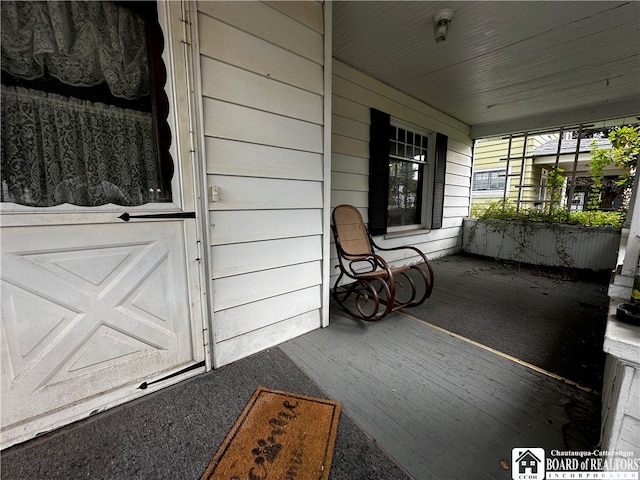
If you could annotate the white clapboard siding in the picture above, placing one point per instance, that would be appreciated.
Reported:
(458, 180)
(349, 146)
(457, 191)
(310, 15)
(350, 181)
(351, 84)
(433, 250)
(451, 201)
(252, 316)
(242, 193)
(240, 258)
(350, 128)
(440, 239)
(271, 25)
(345, 107)
(448, 234)
(465, 148)
(262, 78)
(235, 47)
(229, 157)
(242, 123)
(357, 199)
(243, 289)
(349, 164)
(235, 85)
(354, 94)
(415, 240)
(449, 222)
(269, 336)
(459, 169)
(455, 212)
(236, 226)
(458, 158)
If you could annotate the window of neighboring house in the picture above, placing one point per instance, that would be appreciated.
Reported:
(84, 112)
(489, 180)
(406, 176)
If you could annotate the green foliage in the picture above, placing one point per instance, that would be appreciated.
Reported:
(597, 218)
(504, 211)
(495, 209)
(625, 149)
(555, 182)
(599, 160)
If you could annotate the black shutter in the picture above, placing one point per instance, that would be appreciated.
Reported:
(378, 171)
(440, 169)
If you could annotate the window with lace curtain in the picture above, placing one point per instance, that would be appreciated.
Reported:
(83, 105)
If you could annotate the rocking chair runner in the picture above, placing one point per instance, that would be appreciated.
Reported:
(373, 293)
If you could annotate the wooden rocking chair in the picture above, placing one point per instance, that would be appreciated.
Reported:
(377, 289)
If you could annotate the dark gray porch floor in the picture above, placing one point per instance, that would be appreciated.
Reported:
(440, 406)
(446, 407)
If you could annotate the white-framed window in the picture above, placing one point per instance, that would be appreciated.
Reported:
(410, 165)
(489, 181)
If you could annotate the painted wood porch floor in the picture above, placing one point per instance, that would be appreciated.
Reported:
(442, 407)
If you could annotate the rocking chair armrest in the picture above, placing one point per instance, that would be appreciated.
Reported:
(374, 260)
(403, 247)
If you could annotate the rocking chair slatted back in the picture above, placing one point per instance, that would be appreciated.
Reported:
(350, 232)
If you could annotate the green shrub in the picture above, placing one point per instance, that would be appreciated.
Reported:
(597, 218)
(506, 211)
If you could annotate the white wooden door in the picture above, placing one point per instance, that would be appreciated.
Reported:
(89, 313)
(97, 311)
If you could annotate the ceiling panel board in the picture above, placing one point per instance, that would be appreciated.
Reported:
(501, 60)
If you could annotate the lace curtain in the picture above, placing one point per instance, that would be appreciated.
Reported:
(79, 43)
(57, 149)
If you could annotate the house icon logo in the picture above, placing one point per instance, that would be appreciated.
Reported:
(527, 464)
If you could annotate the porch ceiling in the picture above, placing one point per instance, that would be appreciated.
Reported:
(505, 66)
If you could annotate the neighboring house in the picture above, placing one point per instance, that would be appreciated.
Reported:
(522, 176)
(574, 160)
(502, 168)
(123, 271)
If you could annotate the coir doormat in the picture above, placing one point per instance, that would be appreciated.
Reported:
(279, 435)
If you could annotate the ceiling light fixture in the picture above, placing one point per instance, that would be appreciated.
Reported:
(441, 21)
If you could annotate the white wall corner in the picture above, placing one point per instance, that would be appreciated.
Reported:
(326, 214)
